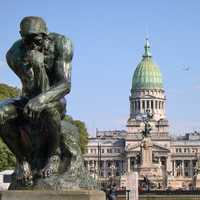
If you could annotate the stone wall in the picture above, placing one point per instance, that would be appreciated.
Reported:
(163, 197)
(53, 195)
(169, 197)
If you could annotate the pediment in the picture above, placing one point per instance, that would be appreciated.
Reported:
(156, 148)
(160, 148)
(133, 148)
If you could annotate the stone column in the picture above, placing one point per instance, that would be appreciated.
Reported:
(132, 185)
(120, 167)
(145, 106)
(173, 168)
(104, 168)
(168, 164)
(88, 165)
(190, 169)
(140, 105)
(128, 165)
(183, 168)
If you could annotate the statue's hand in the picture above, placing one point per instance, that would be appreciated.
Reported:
(33, 108)
(2, 117)
(35, 58)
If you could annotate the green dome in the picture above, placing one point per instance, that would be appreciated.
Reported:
(147, 74)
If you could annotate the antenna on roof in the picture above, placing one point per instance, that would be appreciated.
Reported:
(147, 32)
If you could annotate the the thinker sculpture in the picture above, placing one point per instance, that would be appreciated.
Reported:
(46, 147)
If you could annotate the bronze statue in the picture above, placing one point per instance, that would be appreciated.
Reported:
(147, 125)
(31, 125)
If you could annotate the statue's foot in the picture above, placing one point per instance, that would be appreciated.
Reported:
(51, 166)
(24, 174)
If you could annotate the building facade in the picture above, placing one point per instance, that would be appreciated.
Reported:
(164, 160)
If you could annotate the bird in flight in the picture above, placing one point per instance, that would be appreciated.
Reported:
(186, 68)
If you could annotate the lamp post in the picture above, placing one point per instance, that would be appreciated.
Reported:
(99, 165)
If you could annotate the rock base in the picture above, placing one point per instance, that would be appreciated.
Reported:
(53, 195)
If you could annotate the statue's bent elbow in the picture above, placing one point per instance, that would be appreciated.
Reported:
(7, 112)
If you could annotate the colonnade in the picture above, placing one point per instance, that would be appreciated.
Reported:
(185, 168)
(107, 167)
(143, 105)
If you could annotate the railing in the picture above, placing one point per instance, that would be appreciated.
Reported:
(170, 192)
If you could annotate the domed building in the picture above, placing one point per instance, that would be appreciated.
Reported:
(164, 160)
(148, 96)
(147, 93)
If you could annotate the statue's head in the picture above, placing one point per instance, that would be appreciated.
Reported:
(33, 30)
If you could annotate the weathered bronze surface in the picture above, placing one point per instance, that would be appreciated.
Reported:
(32, 126)
(147, 125)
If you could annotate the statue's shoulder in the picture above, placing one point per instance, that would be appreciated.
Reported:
(14, 52)
(62, 43)
(58, 37)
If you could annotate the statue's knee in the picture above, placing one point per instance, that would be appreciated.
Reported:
(7, 112)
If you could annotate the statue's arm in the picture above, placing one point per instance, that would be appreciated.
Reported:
(11, 57)
(62, 73)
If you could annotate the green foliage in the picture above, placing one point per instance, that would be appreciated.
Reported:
(7, 159)
(83, 137)
(8, 91)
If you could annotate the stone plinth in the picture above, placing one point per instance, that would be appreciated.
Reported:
(146, 148)
(130, 181)
(147, 167)
(196, 181)
(53, 195)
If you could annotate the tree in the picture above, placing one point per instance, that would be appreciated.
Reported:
(7, 91)
(7, 159)
(83, 137)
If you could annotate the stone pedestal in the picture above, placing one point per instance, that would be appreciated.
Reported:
(133, 185)
(146, 148)
(196, 181)
(53, 195)
(130, 181)
(147, 167)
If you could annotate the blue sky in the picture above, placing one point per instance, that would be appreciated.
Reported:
(108, 39)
